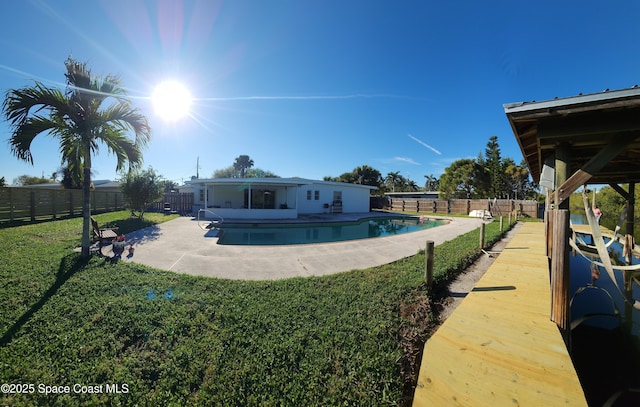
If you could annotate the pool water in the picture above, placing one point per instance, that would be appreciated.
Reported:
(289, 234)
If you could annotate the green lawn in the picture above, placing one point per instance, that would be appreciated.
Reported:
(174, 339)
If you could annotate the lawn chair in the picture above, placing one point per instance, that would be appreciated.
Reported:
(102, 235)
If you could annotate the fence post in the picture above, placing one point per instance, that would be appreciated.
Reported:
(501, 222)
(32, 198)
(53, 203)
(429, 264)
(482, 225)
(11, 205)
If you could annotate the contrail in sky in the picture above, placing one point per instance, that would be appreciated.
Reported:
(406, 160)
(424, 144)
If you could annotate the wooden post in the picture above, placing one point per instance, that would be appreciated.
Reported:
(32, 199)
(628, 249)
(482, 225)
(628, 239)
(562, 171)
(501, 223)
(11, 205)
(428, 277)
(560, 311)
(53, 203)
(70, 204)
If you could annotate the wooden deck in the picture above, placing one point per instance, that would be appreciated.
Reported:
(499, 347)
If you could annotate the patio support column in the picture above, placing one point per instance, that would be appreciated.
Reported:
(560, 287)
(629, 244)
(628, 239)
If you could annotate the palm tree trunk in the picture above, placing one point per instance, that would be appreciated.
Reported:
(86, 211)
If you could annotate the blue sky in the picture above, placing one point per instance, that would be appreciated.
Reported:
(316, 88)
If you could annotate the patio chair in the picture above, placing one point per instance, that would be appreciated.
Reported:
(102, 235)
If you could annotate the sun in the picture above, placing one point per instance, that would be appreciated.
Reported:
(171, 100)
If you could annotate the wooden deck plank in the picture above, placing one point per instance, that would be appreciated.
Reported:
(499, 346)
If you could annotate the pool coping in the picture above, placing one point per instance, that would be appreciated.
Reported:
(182, 245)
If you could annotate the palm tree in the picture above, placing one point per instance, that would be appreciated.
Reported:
(242, 164)
(392, 179)
(81, 121)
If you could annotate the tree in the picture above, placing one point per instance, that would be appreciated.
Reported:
(3, 183)
(70, 180)
(228, 172)
(24, 180)
(242, 163)
(431, 183)
(392, 180)
(259, 173)
(168, 186)
(517, 179)
(141, 189)
(458, 179)
(364, 175)
(494, 167)
(92, 111)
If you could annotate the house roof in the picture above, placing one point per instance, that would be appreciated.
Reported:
(99, 184)
(274, 181)
(588, 124)
(417, 193)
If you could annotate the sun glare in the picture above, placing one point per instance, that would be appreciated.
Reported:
(171, 100)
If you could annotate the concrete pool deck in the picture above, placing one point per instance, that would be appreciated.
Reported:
(181, 245)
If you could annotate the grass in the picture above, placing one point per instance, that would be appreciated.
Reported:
(175, 339)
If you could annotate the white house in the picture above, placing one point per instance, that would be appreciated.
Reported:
(276, 198)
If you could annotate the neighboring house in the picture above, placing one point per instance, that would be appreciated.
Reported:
(413, 195)
(276, 198)
(103, 185)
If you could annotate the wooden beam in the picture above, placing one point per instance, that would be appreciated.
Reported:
(593, 124)
(583, 175)
(621, 191)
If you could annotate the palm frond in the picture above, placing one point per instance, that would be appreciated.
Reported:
(122, 114)
(24, 135)
(20, 103)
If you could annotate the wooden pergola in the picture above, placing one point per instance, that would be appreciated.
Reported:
(586, 139)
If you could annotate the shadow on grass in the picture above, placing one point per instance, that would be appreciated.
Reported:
(69, 265)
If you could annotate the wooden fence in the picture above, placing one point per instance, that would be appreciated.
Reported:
(24, 204)
(174, 202)
(464, 206)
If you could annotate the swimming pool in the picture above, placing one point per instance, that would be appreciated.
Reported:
(289, 234)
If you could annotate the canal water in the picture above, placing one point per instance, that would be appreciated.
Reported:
(605, 345)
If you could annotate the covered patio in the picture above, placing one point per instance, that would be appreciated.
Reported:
(571, 142)
(243, 198)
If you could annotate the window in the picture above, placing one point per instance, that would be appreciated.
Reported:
(316, 195)
(308, 195)
(202, 195)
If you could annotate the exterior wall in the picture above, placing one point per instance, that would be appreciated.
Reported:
(354, 199)
(229, 213)
(289, 200)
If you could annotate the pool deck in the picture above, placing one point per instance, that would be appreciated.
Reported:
(181, 245)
